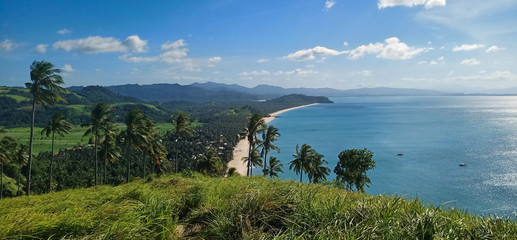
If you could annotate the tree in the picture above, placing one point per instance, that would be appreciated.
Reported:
(136, 135)
(269, 135)
(255, 125)
(110, 150)
(44, 88)
(302, 160)
(317, 171)
(352, 167)
(101, 119)
(210, 163)
(7, 153)
(58, 124)
(183, 129)
(20, 160)
(274, 167)
(255, 160)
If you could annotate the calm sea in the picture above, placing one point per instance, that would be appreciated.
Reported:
(434, 134)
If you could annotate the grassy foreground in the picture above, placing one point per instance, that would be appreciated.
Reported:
(176, 207)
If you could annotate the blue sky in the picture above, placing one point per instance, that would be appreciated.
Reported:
(453, 45)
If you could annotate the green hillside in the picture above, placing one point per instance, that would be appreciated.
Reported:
(197, 207)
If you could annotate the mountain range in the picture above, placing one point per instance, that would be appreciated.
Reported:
(211, 91)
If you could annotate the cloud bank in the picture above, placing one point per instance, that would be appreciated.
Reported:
(97, 44)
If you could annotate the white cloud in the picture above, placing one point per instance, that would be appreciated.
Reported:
(494, 49)
(439, 60)
(8, 45)
(98, 44)
(392, 49)
(312, 53)
(213, 61)
(254, 74)
(41, 48)
(467, 47)
(345, 44)
(296, 72)
(366, 73)
(263, 60)
(63, 31)
(329, 4)
(471, 61)
(410, 3)
(67, 68)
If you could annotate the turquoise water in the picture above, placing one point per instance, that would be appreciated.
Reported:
(435, 135)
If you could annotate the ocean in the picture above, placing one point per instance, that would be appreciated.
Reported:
(434, 134)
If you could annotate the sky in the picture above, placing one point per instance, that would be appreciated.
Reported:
(451, 45)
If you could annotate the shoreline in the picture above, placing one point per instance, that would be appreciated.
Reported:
(241, 149)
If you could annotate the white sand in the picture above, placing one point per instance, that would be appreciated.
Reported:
(241, 150)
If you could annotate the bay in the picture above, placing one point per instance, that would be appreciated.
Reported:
(434, 134)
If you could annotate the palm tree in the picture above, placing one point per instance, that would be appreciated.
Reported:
(274, 167)
(137, 134)
(20, 159)
(255, 160)
(210, 163)
(317, 172)
(183, 128)
(302, 160)
(110, 150)
(7, 145)
(58, 124)
(100, 120)
(44, 88)
(255, 125)
(269, 136)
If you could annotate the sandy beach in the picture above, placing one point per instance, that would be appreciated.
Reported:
(241, 150)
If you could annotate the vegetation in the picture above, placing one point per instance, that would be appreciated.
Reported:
(58, 125)
(44, 88)
(198, 207)
(269, 135)
(255, 125)
(352, 167)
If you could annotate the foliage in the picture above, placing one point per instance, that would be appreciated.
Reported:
(352, 167)
(309, 161)
(275, 167)
(255, 125)
(269, 135)
(198, 207)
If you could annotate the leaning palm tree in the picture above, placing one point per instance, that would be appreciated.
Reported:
(302, 159)
(44, 88)
(58, 124)
(100, 120)
(136, 135)
(254, 160)
(274, 167)
(7, 145)
(255, 125)
(269, 136)
(317, 171)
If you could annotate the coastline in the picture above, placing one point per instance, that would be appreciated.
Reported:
(241, 149)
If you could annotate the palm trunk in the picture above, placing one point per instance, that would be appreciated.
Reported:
(96, 165)
(18, 183)
(265, 163)
(51, 161)
(301, 175)
(30, 148)
(105, 161)
(249, 161)
(2, 181)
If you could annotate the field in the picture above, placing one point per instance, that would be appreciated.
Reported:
(190, 206)
(75, 138)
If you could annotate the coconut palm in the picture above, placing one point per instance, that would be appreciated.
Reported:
(255, 160)
(20, 159)
(302, 160)
(137, 134)
(109, 150)
(7, 153)
(210, 163)
(44, 88)
(269, 136)
(317, 171)
(100, 120)
(183, 129)
(58, 124)
(274, 167)
(255, 125)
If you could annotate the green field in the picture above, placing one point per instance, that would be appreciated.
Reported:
(75, 138)
(18, 98)
(197, 207)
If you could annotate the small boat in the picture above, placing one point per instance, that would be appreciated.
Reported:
(463, 164)
(400, 154)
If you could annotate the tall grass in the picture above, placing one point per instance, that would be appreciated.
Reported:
(172, 207)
